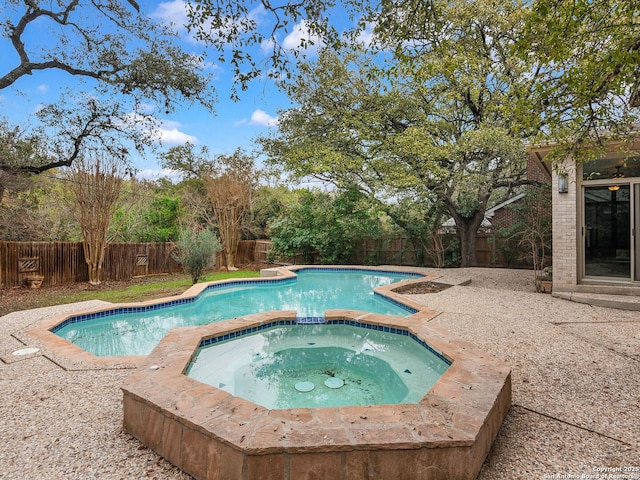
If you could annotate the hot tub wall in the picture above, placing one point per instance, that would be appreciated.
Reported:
(204, 456)
(211, 434)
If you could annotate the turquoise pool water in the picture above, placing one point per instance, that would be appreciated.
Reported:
(313, 292)
(300, 366)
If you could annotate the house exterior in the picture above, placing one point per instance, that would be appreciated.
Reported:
(596, 217)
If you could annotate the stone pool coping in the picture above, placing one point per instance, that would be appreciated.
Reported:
(211, 434)
(72, 357)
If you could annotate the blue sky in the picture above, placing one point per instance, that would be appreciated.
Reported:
(236, 124)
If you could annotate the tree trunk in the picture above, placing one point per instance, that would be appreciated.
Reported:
(467, 233)
(94, 275)
(467, 230)
(230, 256)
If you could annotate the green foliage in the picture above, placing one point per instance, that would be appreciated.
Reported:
(328, 224)
(34, 209)
(196, 251)
(267, 204)
(531, 229)
(159, 221)
(126, 50)
(17, 149)
(148, 212)
(188, 160)
(230, 26)
(439, 130)
(587, 53)
(420, 220)
(451, 251)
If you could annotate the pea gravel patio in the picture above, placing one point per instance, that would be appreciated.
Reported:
(576, 389)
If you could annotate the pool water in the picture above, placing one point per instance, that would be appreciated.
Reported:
(312, 366)
(313, 292)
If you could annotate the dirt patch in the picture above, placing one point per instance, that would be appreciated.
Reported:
(23, 298)
(421, 287)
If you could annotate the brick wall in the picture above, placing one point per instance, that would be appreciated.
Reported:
(535, 170)
(565, 230)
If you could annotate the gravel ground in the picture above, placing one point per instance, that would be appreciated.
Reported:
(576, 390)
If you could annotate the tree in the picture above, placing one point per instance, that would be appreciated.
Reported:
(196, 250)
(157, 216)
(587, 51)
(71, 129)
(96, 183)
(440, 132)
(327, 223)
(267, 204)
(16, 150)
(193, 164)
(230, 190)
(588, 55)
(114, 43)
(421, 220)
(233, 27)
(128, 60)
(531, 228)
(33, 210)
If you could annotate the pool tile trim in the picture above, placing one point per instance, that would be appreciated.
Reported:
(209, 341)
(210, 286)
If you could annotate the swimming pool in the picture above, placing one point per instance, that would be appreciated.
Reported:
(136, 331)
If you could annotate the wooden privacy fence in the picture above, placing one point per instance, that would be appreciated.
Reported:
(62, 263)
(246, 254)
(491, 252)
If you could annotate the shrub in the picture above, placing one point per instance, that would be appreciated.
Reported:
(196, 251)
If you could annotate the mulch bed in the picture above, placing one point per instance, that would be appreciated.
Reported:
(421, 287)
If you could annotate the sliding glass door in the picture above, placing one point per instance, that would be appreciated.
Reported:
(608, 231)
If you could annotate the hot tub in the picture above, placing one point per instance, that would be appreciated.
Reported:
(332, 364)
(211, 433)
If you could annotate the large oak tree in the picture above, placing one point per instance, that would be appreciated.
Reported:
(588, 52)
(585, 54)
(446, 125)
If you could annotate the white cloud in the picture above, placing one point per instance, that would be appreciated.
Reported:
(301, 32)
(263, 119)
(267, 46)
(167, 132)
(174, 14)
(43, 88)
(146, 107)
(367, 35)
(173, 136)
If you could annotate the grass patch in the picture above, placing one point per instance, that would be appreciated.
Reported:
(157, 289)
(136, 290)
